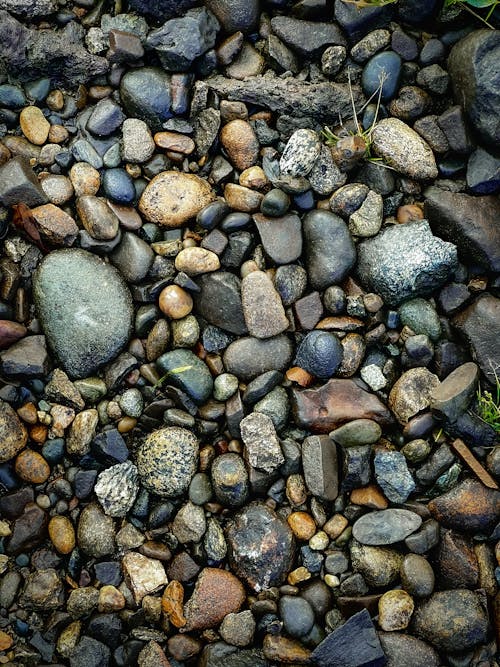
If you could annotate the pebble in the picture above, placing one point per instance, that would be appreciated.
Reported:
(106, 117)
(216, 594)
(175, 302)
(393, 476)
(58, 189)
(242, 146)
(82, 432)
(230, 480)
(297, 615)
(302, 524)
(171, 198)
(379, 566)
(262, 307)
(452, 397)
(402, 650)
(367, 220)
(301, 152)
(137, 145)
(357, 432)
(395, 609)
(143, 575)
(238, 629)
(34, 125)
(189, 523)
(118, 186)
(145, 95)
(417, 576)
(235, 15)
(62, 534)
(116, 488)
(386, 527)
(96, 532)
(97, 218)
(319, 353)
(195, 261)
(281, 236)
(412, 393)
(403, 149)
(167, 461)
(186, 371)
(173, 141)
(32, 467)
(262, 447)
(219, 301)
(85, 179)
(13, 434)
(275, 203)
(382, 70)
(249, 357)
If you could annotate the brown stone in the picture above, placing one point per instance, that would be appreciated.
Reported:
(369, 496)
(110, 600)
(28, 530)
(172, 602)
(183, 647)
(175, 302)
(337, 401)
(253, 178)
(341, 323)
(6, 641)
(62, 534)
(152, 655)
(13, 434)
(299, 376)
(283, 650)
(195, 261)
(308, 310)
(408, 213)
(335, 526)
(85, 179)
(172, 198)
(143, 575)
(241, 143)
(173, 141)
(302, 524)
(469, 507)
(216, 594)
(55, 225)
(11, 332)
(97, 218)
(242, 199)
(28, 413)
(457, 562)
(353, 347)
(412, 393)
(34, 125)
(32, 467)
(468, 457)
(395, 609)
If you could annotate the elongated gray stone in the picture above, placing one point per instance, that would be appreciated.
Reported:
(319, 461)
(386, 526)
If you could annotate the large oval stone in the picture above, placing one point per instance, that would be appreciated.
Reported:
(85, 309)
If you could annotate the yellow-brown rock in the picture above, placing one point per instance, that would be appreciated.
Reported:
(241, 143)
(32, 467)
(62, 534)
(34, 125)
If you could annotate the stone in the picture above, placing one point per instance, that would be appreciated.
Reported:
(238, 629)
(468, 507)
(262, 307)
(241, 144)
(216, 594)
(175, 302)
(55, 225)
(322, 410)
(421, 317)
(19, 183)
(301, 152)
(97, 218)
(13, 433)
(354, 644)
(106, 117)
(357, 432)
(34, 125)
(325, 176)
(483, 171)
(64, 293)
(395, 609)
(412, 393)
(167, 461)
(262, 447)
(137, 143)
(28, 358)
(319, 353)
(263, 555)
(171, 198)
(451, 398)
(306, 38)
(11, 332)
(297, 615)
(181, 40)
(479, 326)
(116, 488)
(96, 532)
(31, 467)
(474, 74)
(281, 236)
(230, 479)
(403, 149)
(367, 220)
(43, 590)
(195, 261)
(28, 529)
(194, 377)
(379, 566)
(393, 476)
(219, 301)
(62, 534)
(405, 261)
(468, 222)
(249, 357)
(143, 575)
(89, 652)
(320, 465)
(330, 251)
(189, 524)
(452, 621)
(382, 71)
(403, 650)
(145, 94)
(385, 527)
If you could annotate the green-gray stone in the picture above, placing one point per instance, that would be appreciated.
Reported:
(276, 406)
(91, 388)
(85, 309)
(420, 316)
(188, 373)
(357, 432)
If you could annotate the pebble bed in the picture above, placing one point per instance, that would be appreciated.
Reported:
(246, 334)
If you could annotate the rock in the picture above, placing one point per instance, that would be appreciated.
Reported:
(479, 325)
(385, 527)
(469, 222)
(116, 488)
(65, 297)
(152, 655)
(219, 301)
(382, 70)
(261, 547)
(230, 479)
(262, 447)
(403, 149)
(262, 307)
(97, 218)
(451, 398)
(357, 432)
(13, 434)
(96, 532)
(28, 530)
(162, 9)
(330, 251)
(194, 378)
(175, 302)
(301, 152)
(297, 615)
(452, 621)
(89, 653)
(34, 125)
(146, 95)
(11, 332)
(27, 358)
(282, 649)
(241, 143)
(143, 575)
(395, 609)
(474, 75)
(55, 225)
(189, 524)
(367, 220)
(323, 101)
(181, 40)
(483, 173)
(354, 644)
(320, 465)
(417, 576)
(238, 629)
(325, 176)
(32, 467)
(62, 534)
(323, 409)
(421, 317)
(216, 594)
(468, 507)
(235, 15)
(28, 8)
(249, 357)
(319, 353)
(137, 143)
(133, 257)
(172, 197)
(281, 236)
(412, 393)
(393, 476)
(19, 183)
(195, 261)
(379, 566)
(167, 461)
(406, 651)
(306, 38)
(405, 261)
(106, 117)
(43, 590)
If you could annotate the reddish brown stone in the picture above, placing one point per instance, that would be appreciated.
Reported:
(340, 323)
(469, 507)
(308, 310)
(284, 650)
(216, 594)
(11, 332)
(338, 401)
(457, 562)
(171, 603)
(32, 467)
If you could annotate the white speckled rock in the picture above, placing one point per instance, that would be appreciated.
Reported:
(117, 487)
(301, 152)
(402, 148)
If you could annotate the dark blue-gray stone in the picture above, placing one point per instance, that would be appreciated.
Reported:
(195, 378)
(386, 67)
(297, 615)
(85, 309)
(483, 173)
(105, 118)
(118, 186)
(319, 353)
(393, 476)
(145, 94)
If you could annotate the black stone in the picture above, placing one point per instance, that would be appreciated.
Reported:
(162, 9)
(109, 447)
(145, 94)
(19, 184)
(105, 628)
(89, 653)
(261, 386)
(219, 301)
(320, 353)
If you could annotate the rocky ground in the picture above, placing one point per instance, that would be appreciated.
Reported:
(245, 358)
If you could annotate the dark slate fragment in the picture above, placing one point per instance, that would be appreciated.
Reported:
(219, 301)
(353, 644)
(19, 184)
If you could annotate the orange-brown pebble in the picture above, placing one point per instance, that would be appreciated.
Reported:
(283, 650)
(58, 134)
(253, 177)
(55, 100)
(302, 524)
(172, 603)
(62, 534)
(173, 141)
(126, 424)
(175, 302)
(408, 213)
(242, 199)
(32, 467)
(216, 594)
(28, 413)
(335, 526)
(241, 143)
(34, 125)
(298, 575)
(5, 641)
(299, 376)
(369, 496)
(38, 433)
(110, 600)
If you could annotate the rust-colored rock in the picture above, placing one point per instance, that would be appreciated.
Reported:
(172, 602)
(338, 401)
(469, 507)
(283, 650)
(216, 594)
(173, 141)
(32, 467)
(241, 143)
(55, 225)
(369, 496)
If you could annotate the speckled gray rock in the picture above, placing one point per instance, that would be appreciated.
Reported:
(325, 176)
(262, 307)
(403, 149)
(137, 143)
(301, 152)
(96, 532)
(189, 524)
(367, 220)
(393, 476)
(117, 487)
(85, 309)
(405, 261)
(167, 460)
(262, 447)
(385, 527)
(407, 651)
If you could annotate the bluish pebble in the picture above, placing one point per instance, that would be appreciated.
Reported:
(320, 353)
(388, 62)
(22, 560)
(53, 450)
(11, 97)
(305, 200)
(118, 186)
(37, 90)
(21, 628)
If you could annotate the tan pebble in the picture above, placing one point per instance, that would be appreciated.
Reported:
(110, 600)
(175, 302)
(408, 213)
(298, 575)
(296, 490)
(58, 134)
(21, 146)
(62, 534)
(32, 467)
(6, 641)
(231, 110)
(332, 581)
(5, 530)
(85, 179)
(173, 141)
(47, 155)
(126, 424)
(158, 339)
(34, 125)
(283, 650)
(195, 261)
(55, 100)
(319, 541)
(302, 525)
(242, 199)
(335, 526)
(299, 376)
(241, 143)
(369, 496)
(58, 188)
(68, 639)
(395, 609)
(172, 603)
(62, 417)
(27, 412)
(253, 178)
